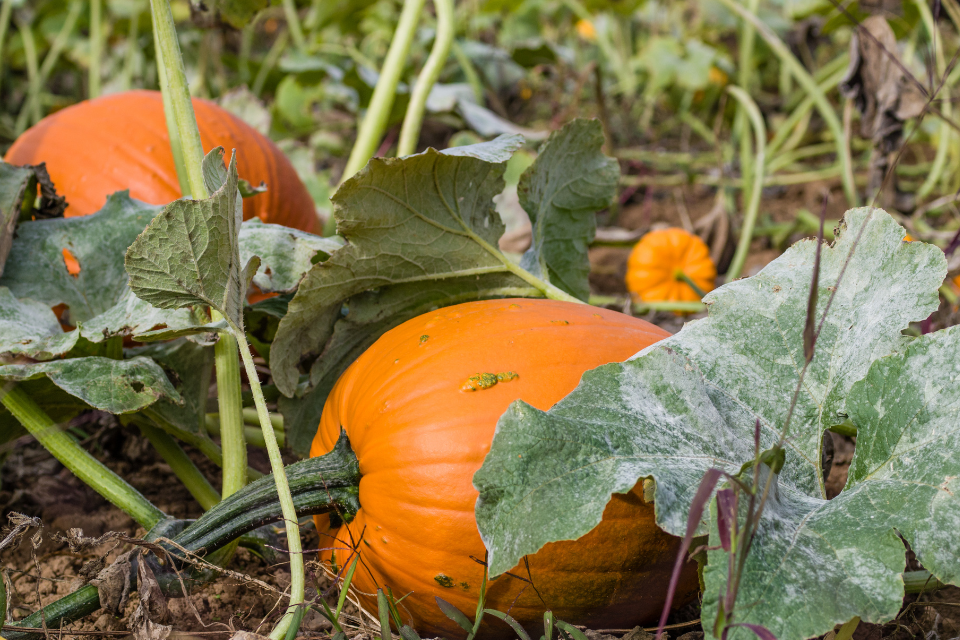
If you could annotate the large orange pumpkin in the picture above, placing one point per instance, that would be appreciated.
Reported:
(120, 141)
(420, 434)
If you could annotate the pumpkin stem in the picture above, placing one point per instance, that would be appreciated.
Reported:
(683, 277)
(328, 483)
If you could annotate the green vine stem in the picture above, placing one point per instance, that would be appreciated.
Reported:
(787, 131)
(232, 438)
(30, 111)
(748, 38)
(184, 121)
(33, 74)
(807, 82)
(252, 434)
(293, 23)
(170, 64)
(193, 159)
(270, 61)
(375, 121)
(130, 55)
(946, 137)
(181, 465)
(297, 578)
(168, 117)
(413, 119)
(197, 440)
(753, 205)
(96, 48)
(469, 72)
(6, 10)
(75, 458)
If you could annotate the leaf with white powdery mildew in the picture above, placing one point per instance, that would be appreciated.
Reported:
(691, 401)
(846, 552)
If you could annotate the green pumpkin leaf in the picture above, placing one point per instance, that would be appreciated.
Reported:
(416, 220)
(38, 264)
(570, 180)
(117, 386)
(286, 254)
(691, 402)
(421, 232)
(188, 255)
(97, 297)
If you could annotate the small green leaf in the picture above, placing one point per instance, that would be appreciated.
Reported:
(568, 183)
(411, 221)
(189, 255)
(117, 386)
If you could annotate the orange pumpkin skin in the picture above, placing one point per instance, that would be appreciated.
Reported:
(419, 438)
(655, 261)
(120, 141)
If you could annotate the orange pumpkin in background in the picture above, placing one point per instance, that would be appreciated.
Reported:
(658, 263)
(420, 407)
(120, 141)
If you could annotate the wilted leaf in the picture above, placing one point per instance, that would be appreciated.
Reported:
(568, 183)
(407, 221)
(188, 255)
(691, 401)
(117, 386)
(38, 265)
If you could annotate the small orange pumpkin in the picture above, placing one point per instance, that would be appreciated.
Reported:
(420, 407)
(663, 260)
(120, 141)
